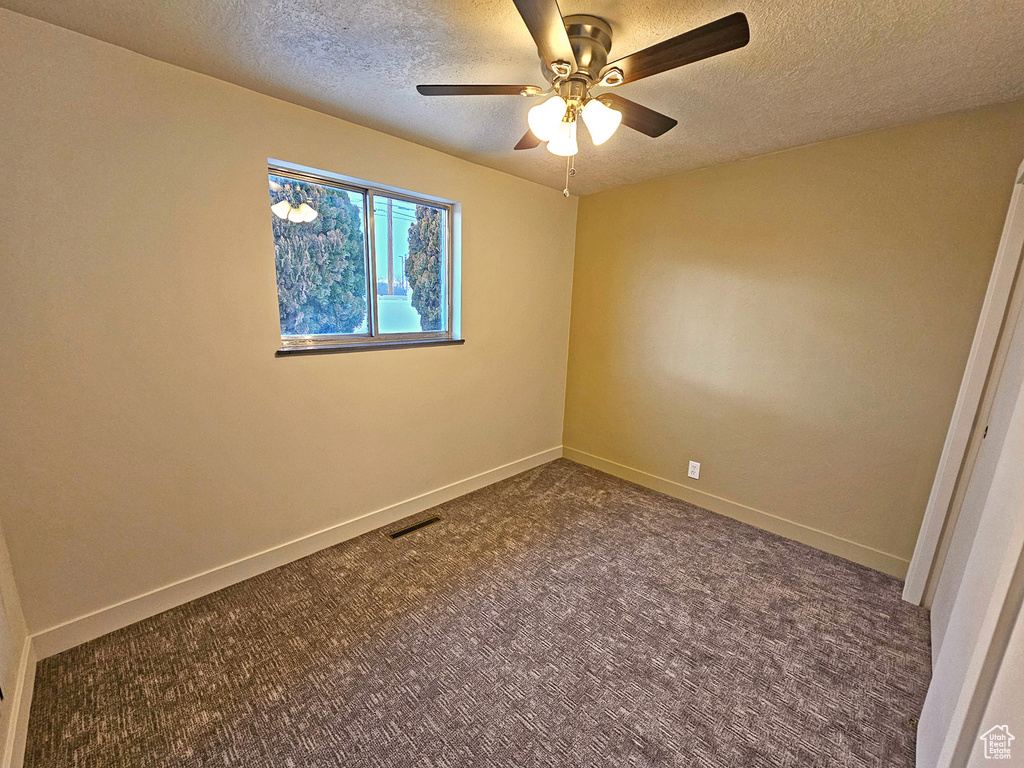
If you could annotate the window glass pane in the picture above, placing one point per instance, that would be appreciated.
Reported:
(410, 242)
(320, 253)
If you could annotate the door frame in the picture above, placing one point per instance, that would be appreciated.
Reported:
(922, 571)
(963, 678)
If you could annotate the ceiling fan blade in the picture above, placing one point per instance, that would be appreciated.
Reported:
(544, 21)
(726, 34)
(475, 90)
(529, 141)
(638, 117)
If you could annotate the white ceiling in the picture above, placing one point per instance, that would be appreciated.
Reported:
(814, 69)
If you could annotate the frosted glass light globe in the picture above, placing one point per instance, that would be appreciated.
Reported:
(307, 213)
(563, 143)
(544, 118)
(602, 121)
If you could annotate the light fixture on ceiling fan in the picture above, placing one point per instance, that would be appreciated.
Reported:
(574, 59)
(304, 213)
(554, 121)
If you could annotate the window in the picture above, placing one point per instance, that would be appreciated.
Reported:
(358, 267)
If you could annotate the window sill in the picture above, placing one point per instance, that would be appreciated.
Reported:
(367, 347)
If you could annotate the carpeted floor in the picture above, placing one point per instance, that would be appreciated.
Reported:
(560, 618)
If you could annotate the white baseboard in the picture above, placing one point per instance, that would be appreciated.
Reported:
(92, 625)
(836, 545)
(21, 705)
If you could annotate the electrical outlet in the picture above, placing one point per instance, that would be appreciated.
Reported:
(694, 470)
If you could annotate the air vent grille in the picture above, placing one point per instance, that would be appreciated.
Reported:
(414, 527)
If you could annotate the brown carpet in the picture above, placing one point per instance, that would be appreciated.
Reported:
(560, 618)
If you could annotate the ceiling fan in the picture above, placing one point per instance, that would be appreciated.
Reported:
(574, 59)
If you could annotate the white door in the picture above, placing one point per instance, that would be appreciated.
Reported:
(985, 607)
(995, 428)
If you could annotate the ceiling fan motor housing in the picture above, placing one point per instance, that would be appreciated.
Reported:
(591, 41)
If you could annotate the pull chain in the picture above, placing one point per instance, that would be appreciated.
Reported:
(570, 170)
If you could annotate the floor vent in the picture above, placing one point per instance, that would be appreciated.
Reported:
(416, 527)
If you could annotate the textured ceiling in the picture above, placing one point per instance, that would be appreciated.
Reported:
(814, 69)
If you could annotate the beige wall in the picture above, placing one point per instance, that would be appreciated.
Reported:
(798, 323)
(147, 431)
